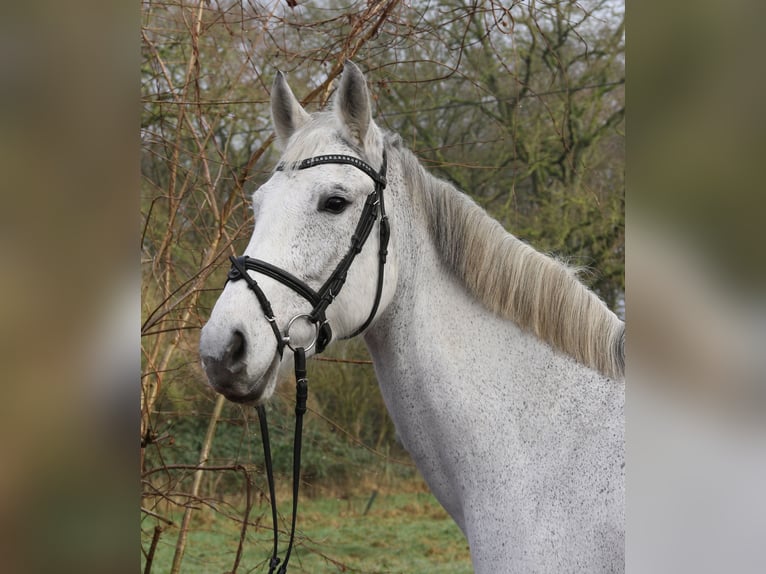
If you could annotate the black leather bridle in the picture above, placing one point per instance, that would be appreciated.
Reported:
(331, 288)
(320, 300)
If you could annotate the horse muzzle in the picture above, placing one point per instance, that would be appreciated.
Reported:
(228, 374)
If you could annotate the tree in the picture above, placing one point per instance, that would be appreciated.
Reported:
(524, 110)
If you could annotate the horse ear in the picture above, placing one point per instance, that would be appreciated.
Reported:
(352, 102)
(286, 111)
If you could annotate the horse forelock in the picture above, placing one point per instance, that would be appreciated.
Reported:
(539, 293)
(323, 134)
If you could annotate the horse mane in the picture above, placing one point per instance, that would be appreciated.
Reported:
(539, 293)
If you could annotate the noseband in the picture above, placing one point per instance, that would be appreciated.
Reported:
(320, 300)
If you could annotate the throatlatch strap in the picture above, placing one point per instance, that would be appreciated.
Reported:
(385, 234)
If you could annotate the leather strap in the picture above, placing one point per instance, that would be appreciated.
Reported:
(301, 396)
(261, 410)
(238, 272)
(378, 177)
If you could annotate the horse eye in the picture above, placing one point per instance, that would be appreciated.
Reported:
(334, 204)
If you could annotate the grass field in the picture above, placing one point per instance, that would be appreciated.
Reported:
(400, 533)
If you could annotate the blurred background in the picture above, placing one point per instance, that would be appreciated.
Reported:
(133, 135)
(695, 288)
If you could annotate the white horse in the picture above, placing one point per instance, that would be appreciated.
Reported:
(503, 374)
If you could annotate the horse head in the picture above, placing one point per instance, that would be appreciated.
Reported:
(308, 220)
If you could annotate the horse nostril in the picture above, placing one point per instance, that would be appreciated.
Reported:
(236, 350)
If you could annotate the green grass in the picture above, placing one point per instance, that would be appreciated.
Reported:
(401, 533)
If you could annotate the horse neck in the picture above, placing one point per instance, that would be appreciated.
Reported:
(430, 303)
(455, 376)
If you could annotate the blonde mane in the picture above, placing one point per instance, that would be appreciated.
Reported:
(537, 292)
